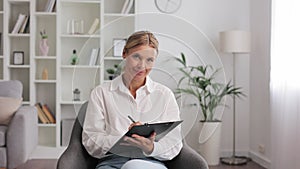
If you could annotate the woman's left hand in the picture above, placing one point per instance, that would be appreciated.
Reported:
(146, 144)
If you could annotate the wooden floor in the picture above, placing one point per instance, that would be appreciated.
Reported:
(249, 165)
(51, 164)
(39, 164)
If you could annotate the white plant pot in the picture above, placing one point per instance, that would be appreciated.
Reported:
(209, 140)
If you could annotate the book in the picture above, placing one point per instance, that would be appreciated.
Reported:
(129, 6)
(47, 6)
(41, 115)
(50, 5)
(125, 6)
(48, 113)
(94, 26)
(27, 26)
(161, 130)
(51, 112)
(94, 56)
(24, 24)
(53, 7)
(18, 23)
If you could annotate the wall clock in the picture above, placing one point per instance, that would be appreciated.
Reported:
(167, 6)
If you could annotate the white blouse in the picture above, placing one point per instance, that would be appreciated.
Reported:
(107, 119)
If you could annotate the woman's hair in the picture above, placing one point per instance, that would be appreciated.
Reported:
(141, 38)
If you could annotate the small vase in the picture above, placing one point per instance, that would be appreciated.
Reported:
(44, 48)
(45, 74)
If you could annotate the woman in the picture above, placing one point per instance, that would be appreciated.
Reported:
(133, 94)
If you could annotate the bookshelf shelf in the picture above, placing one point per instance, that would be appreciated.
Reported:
(79, 36)
(47, 125)
(45, 57)
(79, 67)
(113, 58)
(26, 102)
(26, 35)
(18, 1)
(117, 15)
(45, 81)
(19, 66)
(72, 102)
(45, 14)
(82, 1)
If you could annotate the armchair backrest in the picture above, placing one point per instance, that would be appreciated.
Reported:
(76, 156)
(11, 88)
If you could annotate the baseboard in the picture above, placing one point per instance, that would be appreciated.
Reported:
(44, 152)
(266, 163)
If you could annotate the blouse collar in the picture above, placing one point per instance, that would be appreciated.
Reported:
(118, 83)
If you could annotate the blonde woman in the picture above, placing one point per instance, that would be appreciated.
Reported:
(134, 94)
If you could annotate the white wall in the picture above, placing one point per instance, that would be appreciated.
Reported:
(259, 80)
(210, 17)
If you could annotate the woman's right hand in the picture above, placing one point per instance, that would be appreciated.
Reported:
(134, 124)
(146, 144)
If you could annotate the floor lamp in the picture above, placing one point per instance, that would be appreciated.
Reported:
(234, 42)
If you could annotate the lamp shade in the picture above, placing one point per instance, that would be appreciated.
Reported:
(235, 41)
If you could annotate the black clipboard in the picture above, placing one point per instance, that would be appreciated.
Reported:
(145, 130)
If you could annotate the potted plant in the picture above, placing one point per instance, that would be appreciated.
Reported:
(200, 82)
(113, 72)
(74, 58)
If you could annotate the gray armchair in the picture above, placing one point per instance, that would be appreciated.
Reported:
(76, 157)
(19, 138)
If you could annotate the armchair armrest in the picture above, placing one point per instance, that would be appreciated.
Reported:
(187, 158)
(22, 136)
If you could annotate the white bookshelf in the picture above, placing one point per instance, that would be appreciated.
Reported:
(1, 41)
(63, 78)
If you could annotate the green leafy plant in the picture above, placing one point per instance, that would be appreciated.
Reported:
(110, 71)
(43, 34)
(203, 86)
(113, 72)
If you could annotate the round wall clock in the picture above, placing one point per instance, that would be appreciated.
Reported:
(167, 6)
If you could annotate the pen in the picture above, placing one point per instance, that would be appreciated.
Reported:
(131, 119)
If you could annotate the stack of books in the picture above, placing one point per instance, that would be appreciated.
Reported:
(45, 115)
(22, 24)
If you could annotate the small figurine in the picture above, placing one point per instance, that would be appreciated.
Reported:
(76, 95)
(45, 74)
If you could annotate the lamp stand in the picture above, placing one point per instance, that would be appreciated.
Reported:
(234, 160)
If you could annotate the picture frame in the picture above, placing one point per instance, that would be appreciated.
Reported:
(118, 46)
(18, 58)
